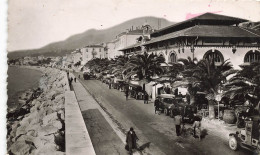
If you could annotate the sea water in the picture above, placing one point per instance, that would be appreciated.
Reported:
(19, 80)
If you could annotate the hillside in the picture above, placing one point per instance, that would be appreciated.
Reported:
(91, 36)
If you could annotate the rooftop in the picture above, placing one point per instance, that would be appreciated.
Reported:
(204, 19)
(100, 46)
(131, 46)
(209, 31)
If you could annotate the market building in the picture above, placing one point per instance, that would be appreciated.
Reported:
(206, 36)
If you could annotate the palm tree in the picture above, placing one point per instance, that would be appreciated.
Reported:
(144, 66)
(245, 82)
(205, 76)
(118, 66)
(98, 65)
(210, 78)
(182, 72)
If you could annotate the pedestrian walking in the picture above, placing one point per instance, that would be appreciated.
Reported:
(71, 79)
(196, 127)
(79, 76)
(75, 79)
(178, 122)
(146, 98)
(131, 139)
(157, 106)
(109, 85)
(126, 95)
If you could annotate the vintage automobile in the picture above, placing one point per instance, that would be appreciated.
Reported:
(165, 102)
(86, 75)
(187, 111)
(136, 91)
(247, 138)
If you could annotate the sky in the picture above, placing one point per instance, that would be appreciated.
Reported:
(34, 24)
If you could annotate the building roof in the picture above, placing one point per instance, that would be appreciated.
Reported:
(131, 46)
(94, 46)
(209, 31)
(132, 32)
(137, 31)
(204, 19)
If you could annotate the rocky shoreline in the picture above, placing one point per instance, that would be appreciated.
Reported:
(38, 127)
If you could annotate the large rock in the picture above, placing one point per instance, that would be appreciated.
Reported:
(21, 148)
(49, 118)
(61, 114)
(21, 130)
(50, 109)
(33, 127)
(14, 128)
(44, 151)
(57, 124)
(42, 140)
(58, 98)
(47, 130)
(26, 138)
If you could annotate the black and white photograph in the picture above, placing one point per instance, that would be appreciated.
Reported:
(132, 77)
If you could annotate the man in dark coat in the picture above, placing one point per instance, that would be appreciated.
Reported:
(157, 106)
(131, 139)
(126, 94)
(146, 98)
(178, 122)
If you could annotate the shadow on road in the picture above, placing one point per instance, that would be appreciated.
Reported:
(142, 147)
(204, 133)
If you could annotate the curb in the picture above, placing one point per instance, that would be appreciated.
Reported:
(76, 134)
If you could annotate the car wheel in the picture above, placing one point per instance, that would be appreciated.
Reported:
(166, 112)
(233, 143)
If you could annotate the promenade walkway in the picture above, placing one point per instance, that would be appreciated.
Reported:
(77, 137)
(103, 137)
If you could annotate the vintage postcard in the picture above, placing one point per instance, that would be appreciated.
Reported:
(148, 77)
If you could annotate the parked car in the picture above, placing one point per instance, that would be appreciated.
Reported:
(165, 102)
(172, 105)
(247, 138)
(86, 75)
(187, 111)
(136, 91)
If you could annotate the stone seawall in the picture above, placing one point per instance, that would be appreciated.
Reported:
(40, 127)
(78, 141)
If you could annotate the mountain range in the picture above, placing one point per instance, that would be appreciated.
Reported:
(91, 36)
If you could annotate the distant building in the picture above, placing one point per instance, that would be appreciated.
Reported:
(76, 56)
(93, 51)
(110, 47)
(127, 38)
(206, 36)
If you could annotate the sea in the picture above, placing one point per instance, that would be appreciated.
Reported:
(19, 80)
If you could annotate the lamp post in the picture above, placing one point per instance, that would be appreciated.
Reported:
(234, 49)
(192, 49)
(218, 98)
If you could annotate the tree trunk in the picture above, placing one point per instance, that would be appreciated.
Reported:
(211, 109)
(192, 99)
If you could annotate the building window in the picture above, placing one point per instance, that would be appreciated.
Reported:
(252, 56)
(215, 55)
(173, 58)
(161, 55)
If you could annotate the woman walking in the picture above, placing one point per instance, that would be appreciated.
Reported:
(197, 128)
(131, 139)
(126, 95)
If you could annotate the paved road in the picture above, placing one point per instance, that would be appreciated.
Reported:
(104, 139)
(156, 132)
